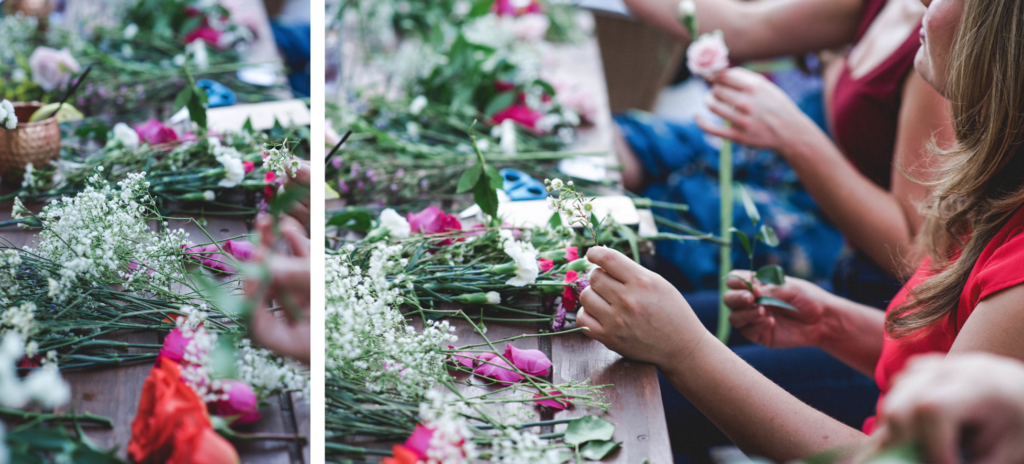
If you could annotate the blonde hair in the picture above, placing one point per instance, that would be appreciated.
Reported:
(982, 182)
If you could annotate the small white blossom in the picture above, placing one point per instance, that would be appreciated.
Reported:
(397, 226)
(126, 135)
(417, 105)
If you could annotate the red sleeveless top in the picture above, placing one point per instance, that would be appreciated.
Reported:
(998, 268)
(865, 110)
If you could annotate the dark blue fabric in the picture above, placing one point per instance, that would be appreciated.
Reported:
(294, 43)
(681, 167)
(858, 278)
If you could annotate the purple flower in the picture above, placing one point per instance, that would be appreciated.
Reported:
(342, 186)
(558, 324)
(400, 172)
(354, 170)
(424, 184)
(394, 187)
(337, 162)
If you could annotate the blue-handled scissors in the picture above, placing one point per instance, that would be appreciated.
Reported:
(520, 186)
(217, 94)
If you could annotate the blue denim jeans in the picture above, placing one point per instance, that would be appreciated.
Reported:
(810, 374)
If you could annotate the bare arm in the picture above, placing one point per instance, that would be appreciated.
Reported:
(640, 315)
(855, 334)
(882, 223)
(995, 326)
(763, 29)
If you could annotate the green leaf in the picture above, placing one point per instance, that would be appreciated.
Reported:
(352, 219)
(415, 257)
(556, 220)
(486, 197)
(770, 301)
(248, 125)
(598, 450)
(771, 274)
(40, 438)
(499, 102)
(633, 239)
(748, 204)
(588, 428)
(767, 235)
(497, 182)
(196, 111)
(469, 178)
(744, 240)
(183, 98)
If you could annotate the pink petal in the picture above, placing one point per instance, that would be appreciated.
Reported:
(239, 249)
(464, 358)
(241, 402)
(532, 362)
(520, 114)
(174, 346)
(419, 441)
(571, 254)
(554, 403)
(545, 265)
(494, 367)
(154, 132)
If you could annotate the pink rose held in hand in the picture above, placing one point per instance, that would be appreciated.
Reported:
(708, 55)
(52, 69)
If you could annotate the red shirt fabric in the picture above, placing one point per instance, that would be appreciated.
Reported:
(998, 268)
(865, 110)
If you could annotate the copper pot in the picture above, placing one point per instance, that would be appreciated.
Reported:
(31, 142)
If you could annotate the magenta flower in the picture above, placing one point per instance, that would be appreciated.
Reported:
(571, 254)
(495, 367)
(239, 249)
(419, 441)
(205, 33)
(519, 113)
(569, 295)
(154, 132)
(509, 8)
(558, 404)
(532, 362)
(241, 402)
(433, 221)
(249, 166)
(464, 358)
(545, 265)
(174, 346)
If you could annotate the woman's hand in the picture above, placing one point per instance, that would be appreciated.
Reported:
(636, 312)
(945, 405)
(776, 327)
(759, 112)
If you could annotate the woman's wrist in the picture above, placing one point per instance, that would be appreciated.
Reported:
(803, 141)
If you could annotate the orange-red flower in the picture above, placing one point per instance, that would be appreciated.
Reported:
(172, 424)
(402, 455)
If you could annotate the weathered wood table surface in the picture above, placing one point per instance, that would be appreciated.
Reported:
(634, 395)
(115, 392)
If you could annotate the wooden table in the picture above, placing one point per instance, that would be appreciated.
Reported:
(115, 392)
(635, 395)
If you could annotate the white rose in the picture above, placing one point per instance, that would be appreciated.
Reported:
(52, 69)
(395, 223)
(708, 55)
(234, 170)
(126, 135)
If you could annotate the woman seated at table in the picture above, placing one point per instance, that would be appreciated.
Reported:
(880, 113)
(965, 297)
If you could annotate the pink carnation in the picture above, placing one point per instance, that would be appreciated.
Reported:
(516, 7)
(532, 362)
(433, 221)
(519, 113)
(205, 33)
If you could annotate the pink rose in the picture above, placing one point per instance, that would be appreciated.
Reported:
(419, 441)
(708, 55)
(241, 402)
(205, 33)
(557, 404)
(52, 69)
(516, 7)
(494, 367)
(433, 221)
(154, 132)
(519, 113)
(532, 362)
(174, 346)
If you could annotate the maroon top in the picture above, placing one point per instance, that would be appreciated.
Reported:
(865, 110)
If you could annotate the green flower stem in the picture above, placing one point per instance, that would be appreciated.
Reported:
(66, 417)
(725, 182)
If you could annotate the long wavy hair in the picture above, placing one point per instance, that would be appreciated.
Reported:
(981, 183)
